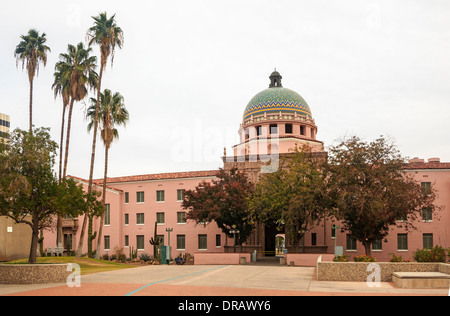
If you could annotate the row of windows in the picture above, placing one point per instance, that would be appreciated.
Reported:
(273, 129)
(4, 123)
(160, 196)
(202, 240)
(140, 217)
(402, 242)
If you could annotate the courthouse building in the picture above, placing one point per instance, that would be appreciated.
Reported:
(275, 121)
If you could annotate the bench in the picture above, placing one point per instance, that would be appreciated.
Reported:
(424, 280)
(57, 251)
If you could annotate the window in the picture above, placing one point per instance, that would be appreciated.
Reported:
(333, 231)
(402, 242)
(181, 217)
(258, 130)
(302, 130)
(377, 245)
(202, 242)
(68, 241)
(273, 129)
(160, 218)
(288, 128)
(140, 242)
(427, 214)
(127, 241)
(427, 241)
(127, 197)
(426, 188)
(140, 197)
(313, 239)
(106, 242)
(351, 243)
(160, 196)
(247, 134)
(107, 215)
(181, 242)
(218, 240)
(140, 218)
(180, 195)
(127, 219)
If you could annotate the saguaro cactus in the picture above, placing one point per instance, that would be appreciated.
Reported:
(155, 241)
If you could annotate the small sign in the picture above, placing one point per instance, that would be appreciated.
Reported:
(9, 229)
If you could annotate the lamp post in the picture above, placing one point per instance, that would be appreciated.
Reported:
(234, 231)
(169, 230)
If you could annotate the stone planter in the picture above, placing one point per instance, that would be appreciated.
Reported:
(33, 273)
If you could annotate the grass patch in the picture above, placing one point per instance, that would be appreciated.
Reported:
(87, 265)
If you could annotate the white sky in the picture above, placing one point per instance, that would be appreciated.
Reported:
(189, 68)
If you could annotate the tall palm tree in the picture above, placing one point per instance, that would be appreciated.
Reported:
(107, 35)
(74, 75)
(32, 51)
(112, 112)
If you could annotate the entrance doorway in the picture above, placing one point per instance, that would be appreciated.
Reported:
(274, 240)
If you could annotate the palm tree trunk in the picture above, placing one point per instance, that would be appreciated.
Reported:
(102, 220)
(31, 105)
(91, 172)
(69, 124)
(59, 222)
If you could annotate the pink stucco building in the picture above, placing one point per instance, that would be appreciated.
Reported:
(274, 122)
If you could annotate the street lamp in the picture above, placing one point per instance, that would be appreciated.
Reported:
(169, 230)
(234, 231)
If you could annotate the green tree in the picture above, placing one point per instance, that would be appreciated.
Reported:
(294, 197)
(29, 191)
(74, 75)
(224, 200)
(112, 113)
(32, 51)
(371, 191)
(107, 34)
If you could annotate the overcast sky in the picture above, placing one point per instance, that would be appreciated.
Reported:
(189, 67)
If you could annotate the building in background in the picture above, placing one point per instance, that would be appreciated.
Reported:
(4, 127)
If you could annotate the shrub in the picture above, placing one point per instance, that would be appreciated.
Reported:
(364, 258)
(395, 258)
(435, 254)
(343, 258)
(144, 257)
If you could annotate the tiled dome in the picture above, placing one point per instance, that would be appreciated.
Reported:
(276, 99)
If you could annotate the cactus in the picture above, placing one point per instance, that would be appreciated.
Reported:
(155, 241)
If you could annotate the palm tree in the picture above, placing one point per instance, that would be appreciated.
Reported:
(112, 112)
(32, 51)
(74, 75)
(107, 35)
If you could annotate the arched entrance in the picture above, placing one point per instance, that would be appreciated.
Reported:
(274, 240)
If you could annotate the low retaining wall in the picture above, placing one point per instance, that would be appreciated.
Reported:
(33, 273)
(220, 258)
(357, 271)
(306, 259)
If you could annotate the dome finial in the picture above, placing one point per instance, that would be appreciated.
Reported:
(275, 79)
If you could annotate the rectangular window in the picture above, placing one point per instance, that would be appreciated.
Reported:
(140, 242)
(181, 217)
(107, 215)
(181, 242)
(106, 242)
(377, 245)
(202, 242)
(351, 242)
(180, 195)
(127, 197)
(333, 231)
(313, 239)
(302, 130)
(427, 214)
(426, 188)
(160, 196)
(273, 129)
(258, 130)
(127, 241)
(402, 242)
(218, 240)
(160, 218)
(427, 241)
(140, 218)
(68, 241)
(288, 128)
(127, 219)
(140, 197)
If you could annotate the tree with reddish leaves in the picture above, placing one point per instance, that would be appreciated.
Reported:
(225, 201)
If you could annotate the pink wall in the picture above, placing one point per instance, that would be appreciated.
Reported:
(220, 258)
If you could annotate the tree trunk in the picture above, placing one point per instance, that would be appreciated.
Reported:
(34, 239)
(367, 248)
(91, 172)
(31, 105)
(102, 220)
(69, 125)
(59, 221)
